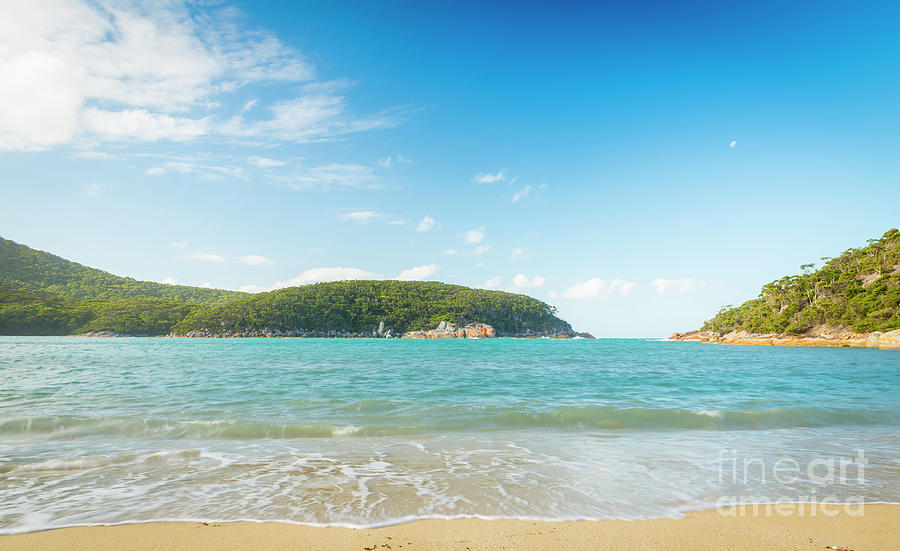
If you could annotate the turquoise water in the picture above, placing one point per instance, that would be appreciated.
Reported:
(366, 432)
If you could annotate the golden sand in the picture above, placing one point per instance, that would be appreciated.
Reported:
(876, 529)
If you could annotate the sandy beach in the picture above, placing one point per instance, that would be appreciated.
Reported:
(798, 527)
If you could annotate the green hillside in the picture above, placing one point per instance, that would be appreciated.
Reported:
(43, 294)
(360, 306)
(859, 290)
(26, 269)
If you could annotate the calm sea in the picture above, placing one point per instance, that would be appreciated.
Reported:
(368, 432)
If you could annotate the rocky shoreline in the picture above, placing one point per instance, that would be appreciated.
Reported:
(444, 330)
(823, 337)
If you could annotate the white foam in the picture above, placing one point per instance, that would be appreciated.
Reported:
(345, 431)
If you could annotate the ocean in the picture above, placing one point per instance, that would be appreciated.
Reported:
(366, 432)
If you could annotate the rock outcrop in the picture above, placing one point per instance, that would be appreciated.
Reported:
(444, 330)
(822, 336)
(447, 330)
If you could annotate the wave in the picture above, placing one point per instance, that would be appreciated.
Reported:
(457, 419)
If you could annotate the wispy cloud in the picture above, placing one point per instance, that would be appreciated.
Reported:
(492, 282)
(425, 224)
(516, 253)
(255, 260)
(489, 178)
(309, 119)
(389, 161)
(481, 249)
(206, 256)
(316, 275)
(522, 193)
(361, 216)
(599, 288)
(450, 252)
(521, 281)
(418, 273)
(138, 71)
(204, 171)
(473, 236)
(178, 245)
(681, 286)
(263, 162)
(331, 177)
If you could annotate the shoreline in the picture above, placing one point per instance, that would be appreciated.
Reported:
(844, 339)
(789, 526)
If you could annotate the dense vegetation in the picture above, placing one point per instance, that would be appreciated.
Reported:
(859, 290)
(43, 294)
(359, 307)
(26, 269)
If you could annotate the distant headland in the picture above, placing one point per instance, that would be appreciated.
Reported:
(43, 294)
(852, 300)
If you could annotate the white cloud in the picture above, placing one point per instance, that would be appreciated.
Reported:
(169, 281)
(521, 194)
(132, 70)
(481, 249)
(489, 178)
(450, 252)
(253, 289)
(263, 162)
(516, 253)
(178, 244)
(386, 162)
(255, 260)
(474, 236)
(732, 144)
(522, 281)
(155, 171)
(425, 224)
(309, 119)
(418, 273)
(599, 288)
(141, 125)
(493, 282)
(333, 176)
(681, 286)
(39, 98)
(205, 285)
(361, 216)
(98, 155)
(206, 256)
(204, 171)
(315, 275)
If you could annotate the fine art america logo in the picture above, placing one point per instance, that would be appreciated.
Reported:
(822, 486)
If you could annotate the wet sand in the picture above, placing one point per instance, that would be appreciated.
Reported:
(792, 527)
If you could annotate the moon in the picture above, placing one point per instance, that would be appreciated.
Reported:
(734, 143)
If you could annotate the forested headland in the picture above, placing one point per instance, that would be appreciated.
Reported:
(43, 294)
(858, 290)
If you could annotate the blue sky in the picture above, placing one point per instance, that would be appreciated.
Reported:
(579, 154)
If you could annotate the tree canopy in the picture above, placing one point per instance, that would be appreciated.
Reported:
(859, 290)
(43, 294)
(360, 306)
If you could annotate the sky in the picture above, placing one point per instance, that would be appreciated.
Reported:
(637, 165)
